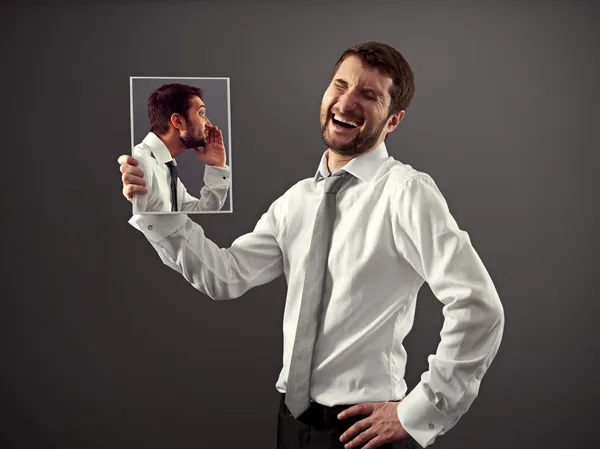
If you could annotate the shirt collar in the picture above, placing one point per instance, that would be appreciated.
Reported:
(364, 167)
(158, 148)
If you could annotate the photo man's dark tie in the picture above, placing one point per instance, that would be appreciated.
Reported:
(174, 174)
(297, 396)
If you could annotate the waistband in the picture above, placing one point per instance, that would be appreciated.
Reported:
(317, 414)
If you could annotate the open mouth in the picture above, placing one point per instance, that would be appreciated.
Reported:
(344, 123)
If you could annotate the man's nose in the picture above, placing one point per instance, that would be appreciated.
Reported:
(347, 101)
(208, 122)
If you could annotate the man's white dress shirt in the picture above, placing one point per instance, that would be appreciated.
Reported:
(152, 155)
(393, 232)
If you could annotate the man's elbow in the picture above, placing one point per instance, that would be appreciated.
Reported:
(488, 312)
(498, 311)
(494, 315)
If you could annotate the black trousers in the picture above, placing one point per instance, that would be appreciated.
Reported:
(319, 428)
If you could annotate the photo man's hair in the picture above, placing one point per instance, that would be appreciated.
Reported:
(167, 100)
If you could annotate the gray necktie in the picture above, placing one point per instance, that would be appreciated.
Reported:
(297, 396)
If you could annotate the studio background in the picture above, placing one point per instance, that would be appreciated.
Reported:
(216, 98)
(104, 346)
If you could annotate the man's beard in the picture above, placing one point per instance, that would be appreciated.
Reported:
(363, 142)
(193, 139)
(193, 142)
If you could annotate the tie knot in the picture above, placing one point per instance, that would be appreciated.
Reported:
(335, 182)
(172, 167)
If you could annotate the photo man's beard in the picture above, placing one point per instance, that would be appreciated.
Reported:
(193, 141)
(358, 145)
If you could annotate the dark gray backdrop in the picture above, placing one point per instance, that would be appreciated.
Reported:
(216, 98)
(103, 346)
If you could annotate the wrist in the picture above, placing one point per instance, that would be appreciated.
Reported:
(218, 164)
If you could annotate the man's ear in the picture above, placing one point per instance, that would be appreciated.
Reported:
(178, 121)
(394, 121)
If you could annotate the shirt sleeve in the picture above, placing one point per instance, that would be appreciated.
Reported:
(214, 192)
(442, 254)
(221, 273)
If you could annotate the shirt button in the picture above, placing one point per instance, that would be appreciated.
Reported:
(150, 228)
(224, 177)
(431, 426)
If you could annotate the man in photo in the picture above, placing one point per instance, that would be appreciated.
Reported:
(356, 242)
(179, 122)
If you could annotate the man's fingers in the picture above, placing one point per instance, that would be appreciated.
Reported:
(357, 428)
(128, 179)
(361, 439)
(136, 171)
(126, 159)
(131, 189)
(132, 176)
(358, 409)
(374, 443)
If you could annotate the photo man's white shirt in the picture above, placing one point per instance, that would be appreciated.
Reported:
(393, 232)
(152, 155)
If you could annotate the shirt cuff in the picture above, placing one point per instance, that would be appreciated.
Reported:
(217, 176)
(158, 227)
(420, 418)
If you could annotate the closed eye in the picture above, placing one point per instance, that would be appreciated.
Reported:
(370, 94)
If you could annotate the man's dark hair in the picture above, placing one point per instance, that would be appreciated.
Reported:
(167, 100)
(390, 62)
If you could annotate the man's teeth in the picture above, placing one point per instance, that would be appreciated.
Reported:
(345, 121)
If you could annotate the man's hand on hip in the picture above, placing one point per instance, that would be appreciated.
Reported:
(133, 177)
(380, 427)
